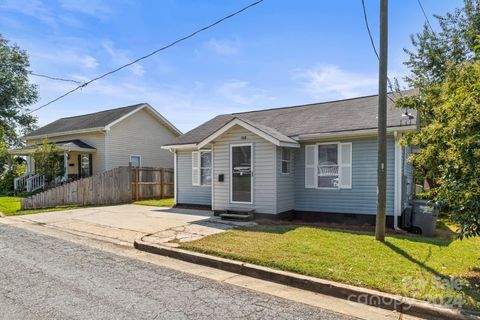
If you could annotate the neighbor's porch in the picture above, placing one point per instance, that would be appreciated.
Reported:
(76, 159)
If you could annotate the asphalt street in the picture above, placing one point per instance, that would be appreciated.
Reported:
(42, 277)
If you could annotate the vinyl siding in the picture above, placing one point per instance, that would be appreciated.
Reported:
(186, 193)
(139, 134)
(285, 183)
(96, 140)
(361, 199)
(264, 176)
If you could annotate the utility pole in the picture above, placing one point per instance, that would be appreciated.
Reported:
(382, 125)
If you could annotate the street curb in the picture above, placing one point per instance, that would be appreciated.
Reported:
(356, 294)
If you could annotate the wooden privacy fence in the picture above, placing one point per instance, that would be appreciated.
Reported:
(151, 183)
(119, 185)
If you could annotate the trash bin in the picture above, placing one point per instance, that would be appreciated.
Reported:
(424, 217)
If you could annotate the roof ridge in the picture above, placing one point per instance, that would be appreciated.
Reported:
(102, 111)
(312, 104)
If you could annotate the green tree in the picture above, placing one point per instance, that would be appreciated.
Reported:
(451, 142)
(443, 67)
(16, 93)
(47, 161)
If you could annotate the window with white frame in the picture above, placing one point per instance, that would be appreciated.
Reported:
(206, 168)
(286, 160)
(202, 168)
(136, 161)
(327, 172)
(328, 165)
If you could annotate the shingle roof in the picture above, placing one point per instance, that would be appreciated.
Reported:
(83, 122)
(326, 117)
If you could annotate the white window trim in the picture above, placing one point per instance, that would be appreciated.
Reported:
(342, 166)
(316, 165)
(196, 155)
(200, 168)
(288, 161)
(139, 159)
(231, 175)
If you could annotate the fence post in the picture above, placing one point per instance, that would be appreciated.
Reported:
(138, 184)
(162, 176)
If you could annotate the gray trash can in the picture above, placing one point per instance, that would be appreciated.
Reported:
(424, 216)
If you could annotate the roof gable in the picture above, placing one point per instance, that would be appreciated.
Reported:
(96, 121)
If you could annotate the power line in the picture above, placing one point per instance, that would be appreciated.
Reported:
(425, 15)
(372, 42)
(54, 78)
(149, 55)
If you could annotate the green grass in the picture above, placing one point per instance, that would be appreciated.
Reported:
(10, 206)
(408, 266)
(156, 203)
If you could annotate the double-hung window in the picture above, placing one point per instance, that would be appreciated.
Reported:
(286, 160)
(206, 168)
(202, 168)
(327, 172)
(328, 165)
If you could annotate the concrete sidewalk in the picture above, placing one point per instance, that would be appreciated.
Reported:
(122, 224)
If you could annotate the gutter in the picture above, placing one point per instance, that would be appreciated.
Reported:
(350, 133)
(64, 133)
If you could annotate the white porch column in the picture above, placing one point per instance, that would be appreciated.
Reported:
(29, 164)
(65, 164)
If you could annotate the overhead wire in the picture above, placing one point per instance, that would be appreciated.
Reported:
(147, 55)
(54, 78)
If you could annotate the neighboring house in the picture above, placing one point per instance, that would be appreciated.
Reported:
(316, 161)
(96, 142)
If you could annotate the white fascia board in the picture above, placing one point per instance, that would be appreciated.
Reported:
(64, 133)
(352, 133)
(246, 126)
(190, 146)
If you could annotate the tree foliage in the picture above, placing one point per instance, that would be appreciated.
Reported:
(451, 144)
(47, 161)
(444, 67)
(16, 93)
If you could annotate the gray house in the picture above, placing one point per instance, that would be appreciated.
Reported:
(316, 161)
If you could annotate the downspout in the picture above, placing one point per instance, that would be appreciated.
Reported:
(213, 177)
(397, 181)
(174, 176)
(105, 150)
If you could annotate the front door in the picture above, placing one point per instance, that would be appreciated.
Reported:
(241, 173)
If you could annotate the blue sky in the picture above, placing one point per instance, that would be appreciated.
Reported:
(278, 53)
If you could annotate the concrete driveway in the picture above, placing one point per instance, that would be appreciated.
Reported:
(125, 223)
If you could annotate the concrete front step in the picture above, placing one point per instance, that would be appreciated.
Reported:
(238, 214)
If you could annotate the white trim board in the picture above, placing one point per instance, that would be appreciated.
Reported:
(154, 112)
(250, 128)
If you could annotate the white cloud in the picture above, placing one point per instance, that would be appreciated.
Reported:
(94, 8)
(224, 47)
(88, 61)
(242, 93)
(328, 82)
(33, 8)
(120, 57)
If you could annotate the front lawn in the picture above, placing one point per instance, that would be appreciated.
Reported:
(156, 203)
(10, 206)
(404, 265)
